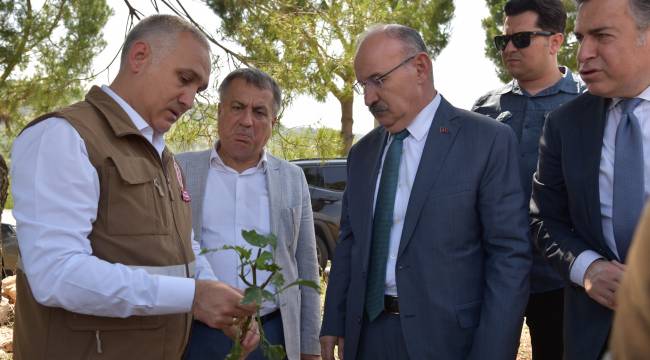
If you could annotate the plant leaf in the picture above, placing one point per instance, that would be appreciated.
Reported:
(277, 280)
(267, 295)
(273, 352)
(302, 282)
(265, 259)
(255, 239)
(252, 294)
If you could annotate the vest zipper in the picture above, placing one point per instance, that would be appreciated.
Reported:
(99, 342)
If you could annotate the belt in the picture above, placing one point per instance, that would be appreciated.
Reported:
(270, 316)
(391, 304)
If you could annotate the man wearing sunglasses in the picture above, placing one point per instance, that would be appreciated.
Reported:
(433, 258)
(533, 36)
(594, 169)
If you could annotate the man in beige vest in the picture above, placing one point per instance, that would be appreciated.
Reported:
(631, 330)
(109, 268)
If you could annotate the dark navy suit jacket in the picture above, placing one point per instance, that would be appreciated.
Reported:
(464, 256)
(566, 210)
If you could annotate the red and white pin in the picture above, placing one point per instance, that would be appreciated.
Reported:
(185, 195)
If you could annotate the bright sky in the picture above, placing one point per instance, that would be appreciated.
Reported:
(462, 73)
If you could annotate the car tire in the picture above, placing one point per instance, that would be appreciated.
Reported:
(321, 253)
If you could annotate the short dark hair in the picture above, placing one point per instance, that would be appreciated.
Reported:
(551, 13)
(640, 10)
(257, 78)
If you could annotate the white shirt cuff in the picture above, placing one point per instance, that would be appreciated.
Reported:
(175, 295)
(580, 265)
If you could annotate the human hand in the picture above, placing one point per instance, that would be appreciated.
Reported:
(602, 280)
(327, 344)
(251, 339)
(218, 305)
(309, 357)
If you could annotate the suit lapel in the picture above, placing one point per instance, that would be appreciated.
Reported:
(592, 129)
(363, 199)
(276, 200)
(435, 152)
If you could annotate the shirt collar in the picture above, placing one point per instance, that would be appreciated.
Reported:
(156, 139)
(217, 162)
(569, 83)
(419, 127)
(645, 95)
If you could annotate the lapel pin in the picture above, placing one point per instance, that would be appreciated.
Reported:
(444, 130)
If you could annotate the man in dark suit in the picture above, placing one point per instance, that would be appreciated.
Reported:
(433, 259)
(593, 173)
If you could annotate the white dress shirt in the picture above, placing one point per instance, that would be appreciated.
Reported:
(408, 167)
(234, 202)
(606, 178)
(56, 192)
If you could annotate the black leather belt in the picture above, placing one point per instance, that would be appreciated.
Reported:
(391, 304)
(269, 316)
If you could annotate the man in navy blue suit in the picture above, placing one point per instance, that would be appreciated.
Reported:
(433, 260)
(593, 174)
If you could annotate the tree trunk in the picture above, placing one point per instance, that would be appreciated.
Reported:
(346, 124)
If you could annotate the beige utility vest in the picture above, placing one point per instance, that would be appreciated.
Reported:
(142, 221)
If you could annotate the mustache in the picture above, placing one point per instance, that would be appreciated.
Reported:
(377, 107)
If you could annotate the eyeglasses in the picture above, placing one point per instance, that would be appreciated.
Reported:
(378, 80)
(520, 40)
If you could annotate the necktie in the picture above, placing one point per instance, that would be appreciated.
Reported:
(628, 197)
(381, 225)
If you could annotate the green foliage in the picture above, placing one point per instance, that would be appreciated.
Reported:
(305, 143)
(493, 26)
(44, 55)
(256, 293)
(308, 45)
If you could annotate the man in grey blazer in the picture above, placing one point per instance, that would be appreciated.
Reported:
(238, 186)
(434, 257)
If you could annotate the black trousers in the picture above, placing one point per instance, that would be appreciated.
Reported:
(544, 319)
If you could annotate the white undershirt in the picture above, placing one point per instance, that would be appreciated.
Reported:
(408, 167)
(234, 202)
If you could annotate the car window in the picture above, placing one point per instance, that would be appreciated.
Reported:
(312, 174)
(334, 177)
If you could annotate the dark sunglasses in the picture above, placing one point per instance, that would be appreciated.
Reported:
(520, 40)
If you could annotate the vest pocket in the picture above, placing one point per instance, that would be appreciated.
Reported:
(134, 194)
(136, 337)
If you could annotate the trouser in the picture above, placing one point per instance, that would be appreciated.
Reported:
(382, 339)
(544, 319)
(208, 343)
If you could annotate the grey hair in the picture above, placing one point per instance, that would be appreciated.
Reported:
(410, 37)
(257, 78)
(161, 27)
(640, 10)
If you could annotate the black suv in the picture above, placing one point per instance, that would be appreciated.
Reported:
(326, 179)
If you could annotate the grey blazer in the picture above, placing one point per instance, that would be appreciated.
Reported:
(293, 224)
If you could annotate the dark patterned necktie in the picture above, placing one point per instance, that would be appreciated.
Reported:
(381, 225)
(628, 197)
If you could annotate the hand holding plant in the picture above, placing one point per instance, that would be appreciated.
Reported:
(256, 293)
